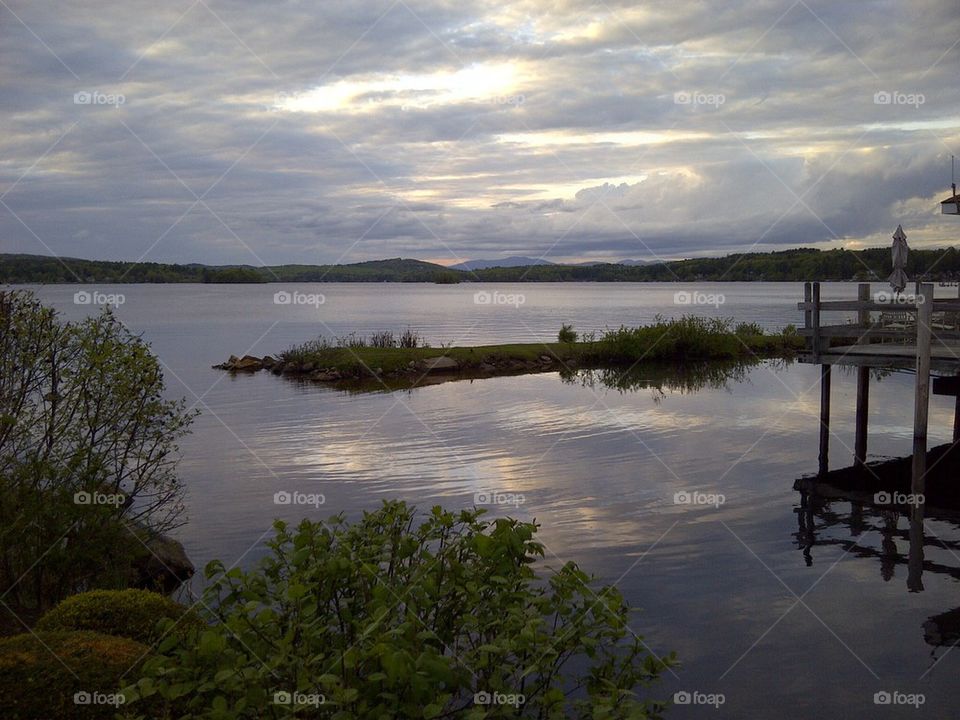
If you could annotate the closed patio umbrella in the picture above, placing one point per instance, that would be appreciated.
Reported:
(898, 278)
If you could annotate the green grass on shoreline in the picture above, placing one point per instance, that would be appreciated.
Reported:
(689, 338)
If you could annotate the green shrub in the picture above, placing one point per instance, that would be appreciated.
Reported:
(567, 334)
(133, 614)
(388, 617)
(689, 338)
(745, 329)
(44, 676)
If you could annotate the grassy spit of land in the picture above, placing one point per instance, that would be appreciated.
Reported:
(407, 360)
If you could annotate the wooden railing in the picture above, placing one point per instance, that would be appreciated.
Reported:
(922, 307)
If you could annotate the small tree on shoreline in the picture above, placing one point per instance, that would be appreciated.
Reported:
(88, 449)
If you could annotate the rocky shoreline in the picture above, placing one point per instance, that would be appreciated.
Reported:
(413, 370)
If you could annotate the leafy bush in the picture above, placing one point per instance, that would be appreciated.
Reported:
(745, 329)
(87, 452)
(689, 338)
(45, 675)
(387, 618)
(567, 334)
(133, 614)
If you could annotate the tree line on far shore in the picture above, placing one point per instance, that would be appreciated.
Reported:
(788, 265)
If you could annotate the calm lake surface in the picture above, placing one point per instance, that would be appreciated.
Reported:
(729, 587)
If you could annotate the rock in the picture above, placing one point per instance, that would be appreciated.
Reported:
(378, 371)
(277, 369)
(487, 368)
(325, 375)
(268, 361)
(308, 367)
(412, 364)
(291, 369)
(546, 359)
(164, 565)
(439, 364)
(248, 362)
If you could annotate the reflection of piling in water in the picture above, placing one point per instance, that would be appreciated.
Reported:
(883, 483)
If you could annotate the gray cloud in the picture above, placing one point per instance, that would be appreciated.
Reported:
(324, 132)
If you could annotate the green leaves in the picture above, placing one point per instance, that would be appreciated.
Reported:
(86, 441)
(387, 617)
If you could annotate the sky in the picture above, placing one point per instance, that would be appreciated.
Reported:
(290, 131)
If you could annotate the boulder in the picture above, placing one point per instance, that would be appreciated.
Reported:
(325, 375)
(248, 362)
(439, 364)
(163, 566)
(487, 368)
(268, 361)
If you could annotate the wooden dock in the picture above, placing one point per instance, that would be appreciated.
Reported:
(915, 332)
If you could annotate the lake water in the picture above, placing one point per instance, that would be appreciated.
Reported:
(727, 587)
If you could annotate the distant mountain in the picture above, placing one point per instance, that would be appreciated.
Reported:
(628, 263)
(512, 261)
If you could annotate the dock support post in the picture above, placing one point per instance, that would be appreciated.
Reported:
(863, 384)
(824, 418)
(863, 410)
(956, 421)
(815, 320)
(808, 314)
(922, 395)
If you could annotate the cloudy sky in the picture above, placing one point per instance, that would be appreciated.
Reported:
(295, 131)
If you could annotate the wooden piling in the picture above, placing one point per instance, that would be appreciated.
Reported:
(863, 384)
(824, 419)
(956, 420)
(807, 314)
(815, 319)
(922, 392)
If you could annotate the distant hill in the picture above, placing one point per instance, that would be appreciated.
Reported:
(45, 269)
(512, 261)
(785, 265)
